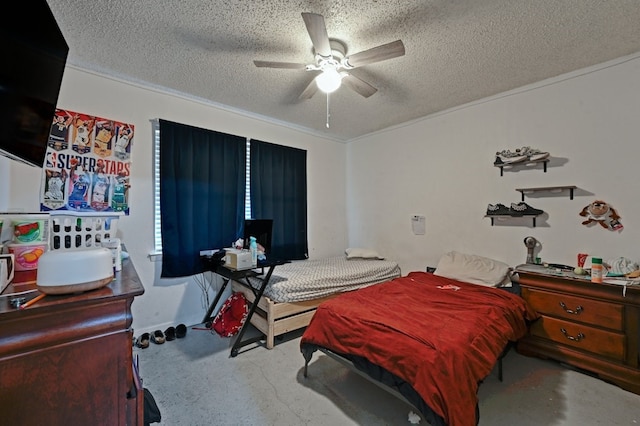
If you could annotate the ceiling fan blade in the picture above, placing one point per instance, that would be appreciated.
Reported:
(309, 91)
(286, 65)
(358, 85)
(318, 32)
(376, 54)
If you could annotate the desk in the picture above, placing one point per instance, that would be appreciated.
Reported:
(242, 277)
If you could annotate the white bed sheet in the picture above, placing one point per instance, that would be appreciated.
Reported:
(314, 278)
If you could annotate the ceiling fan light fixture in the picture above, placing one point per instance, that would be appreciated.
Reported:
(331, 61)
(329, 80)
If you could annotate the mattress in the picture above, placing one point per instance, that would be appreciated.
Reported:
(440, 336)
(314, 278)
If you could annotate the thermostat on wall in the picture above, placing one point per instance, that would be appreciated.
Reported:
(418, 224)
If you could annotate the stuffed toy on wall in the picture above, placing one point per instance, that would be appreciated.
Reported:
(602, 213)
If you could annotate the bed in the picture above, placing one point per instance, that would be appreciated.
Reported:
(297, 288)
(428, 337)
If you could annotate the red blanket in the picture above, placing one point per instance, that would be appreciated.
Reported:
(440, 335)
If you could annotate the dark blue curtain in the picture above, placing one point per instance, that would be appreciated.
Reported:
(279, 192)
(202, 189)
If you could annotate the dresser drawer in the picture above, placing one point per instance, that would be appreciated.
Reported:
(580, 336)
(576, 308)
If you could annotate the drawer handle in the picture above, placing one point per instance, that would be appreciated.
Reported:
(577, 338)
(569, 311)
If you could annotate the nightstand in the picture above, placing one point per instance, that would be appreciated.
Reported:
(595, 327)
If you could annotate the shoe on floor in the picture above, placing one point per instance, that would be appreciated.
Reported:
(143, 341)
(181, 331)
(498, 210)
(524, 209)
(170, 334)
(158, 337)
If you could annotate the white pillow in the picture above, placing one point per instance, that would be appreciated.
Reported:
(362, 253)
(473, 269)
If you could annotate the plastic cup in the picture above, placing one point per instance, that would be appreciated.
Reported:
(582, 257)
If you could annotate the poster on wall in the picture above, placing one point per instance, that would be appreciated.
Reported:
(87, 165)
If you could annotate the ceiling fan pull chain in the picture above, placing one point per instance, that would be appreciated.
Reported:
(327, 110)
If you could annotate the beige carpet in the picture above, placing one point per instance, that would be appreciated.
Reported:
(195, 382)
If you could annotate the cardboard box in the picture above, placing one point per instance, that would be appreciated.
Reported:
(237, 259)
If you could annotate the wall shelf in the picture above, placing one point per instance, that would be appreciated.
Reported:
(532, 163)
(508, 216)
(553, 189)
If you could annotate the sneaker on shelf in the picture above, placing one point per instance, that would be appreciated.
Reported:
(499, 163)
(524, 209)
(533, 154)
(498, 210)
(507, 157)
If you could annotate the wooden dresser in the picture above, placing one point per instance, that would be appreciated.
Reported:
(67, 360)
(590, 326)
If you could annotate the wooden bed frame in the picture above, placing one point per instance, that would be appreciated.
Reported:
(276, 318)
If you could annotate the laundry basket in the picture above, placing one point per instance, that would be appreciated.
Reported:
(75, 230)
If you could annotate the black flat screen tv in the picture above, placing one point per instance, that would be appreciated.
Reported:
(34, 57)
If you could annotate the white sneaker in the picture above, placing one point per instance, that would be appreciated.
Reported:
(532, 154)
(508, 157)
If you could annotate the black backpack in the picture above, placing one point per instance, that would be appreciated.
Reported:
(151, 410)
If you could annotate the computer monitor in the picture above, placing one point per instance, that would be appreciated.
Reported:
(261, 229)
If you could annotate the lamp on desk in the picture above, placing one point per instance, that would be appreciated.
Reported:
(530, 243)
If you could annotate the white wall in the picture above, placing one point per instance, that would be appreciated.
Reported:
(442, 167)
(170, 302)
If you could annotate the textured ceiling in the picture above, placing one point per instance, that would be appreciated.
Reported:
(457, 51)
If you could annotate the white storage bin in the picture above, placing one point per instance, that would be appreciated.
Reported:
(73, 230)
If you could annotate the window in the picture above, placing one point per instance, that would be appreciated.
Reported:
(157, 242)
(247, 182)
(206, 183)
(156, 187)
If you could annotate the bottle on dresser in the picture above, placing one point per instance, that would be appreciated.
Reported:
(596, 270)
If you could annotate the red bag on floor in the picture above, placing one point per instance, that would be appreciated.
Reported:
(231, 316)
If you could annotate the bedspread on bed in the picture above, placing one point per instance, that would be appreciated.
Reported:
(441, 340)
(315, 278)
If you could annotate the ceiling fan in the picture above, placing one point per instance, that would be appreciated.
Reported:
(333, 64)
